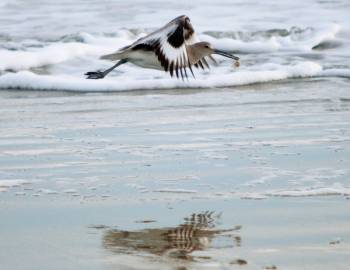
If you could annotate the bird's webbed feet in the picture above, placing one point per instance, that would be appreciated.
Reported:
(95, 75)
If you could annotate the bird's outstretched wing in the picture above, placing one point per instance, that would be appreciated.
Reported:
(169, 45)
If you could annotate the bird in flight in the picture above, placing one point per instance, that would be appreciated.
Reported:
(172, 48)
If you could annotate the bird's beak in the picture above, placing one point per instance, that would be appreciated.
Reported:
(226, 54)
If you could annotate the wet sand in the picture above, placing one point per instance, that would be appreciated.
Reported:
(307, 233)
(254, 177)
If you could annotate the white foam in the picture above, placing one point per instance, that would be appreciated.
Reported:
(324, 191)
(65, 57)
(47, 191)
(335, 72)
(252, 196)
(229, 44)
(53, 54)
(29, 80)
(13, 183)
(26, 56)
(70, 191)
(289, 42)
(174, 190)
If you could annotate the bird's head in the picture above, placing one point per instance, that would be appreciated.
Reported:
(206, 49)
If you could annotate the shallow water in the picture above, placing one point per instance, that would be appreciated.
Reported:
(265, 140)
(110, 181)
(310, 233)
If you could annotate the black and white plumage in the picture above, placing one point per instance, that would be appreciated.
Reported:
(172, 48)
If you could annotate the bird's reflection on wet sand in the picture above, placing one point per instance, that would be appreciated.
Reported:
(196, 233)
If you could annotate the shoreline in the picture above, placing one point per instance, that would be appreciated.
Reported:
(111, 181)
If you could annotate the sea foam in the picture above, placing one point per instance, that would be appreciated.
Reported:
(301, 41)
(30, 80)
(53, 52)
(6, 184)
(325, 191)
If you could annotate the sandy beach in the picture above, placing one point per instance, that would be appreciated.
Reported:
(251, 177)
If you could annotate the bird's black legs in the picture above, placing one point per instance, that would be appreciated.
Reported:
(102, 74)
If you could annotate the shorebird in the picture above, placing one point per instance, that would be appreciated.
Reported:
(172, 48)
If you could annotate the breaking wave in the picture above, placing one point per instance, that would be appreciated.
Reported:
(59, 64)
(30, 80)
(294, 39)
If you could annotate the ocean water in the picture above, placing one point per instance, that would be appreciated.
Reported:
(49, 46)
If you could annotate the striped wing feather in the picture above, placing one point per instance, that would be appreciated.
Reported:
(169, 45)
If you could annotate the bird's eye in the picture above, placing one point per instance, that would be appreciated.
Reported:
(207, 46)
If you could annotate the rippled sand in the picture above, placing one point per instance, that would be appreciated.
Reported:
(253, 177)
